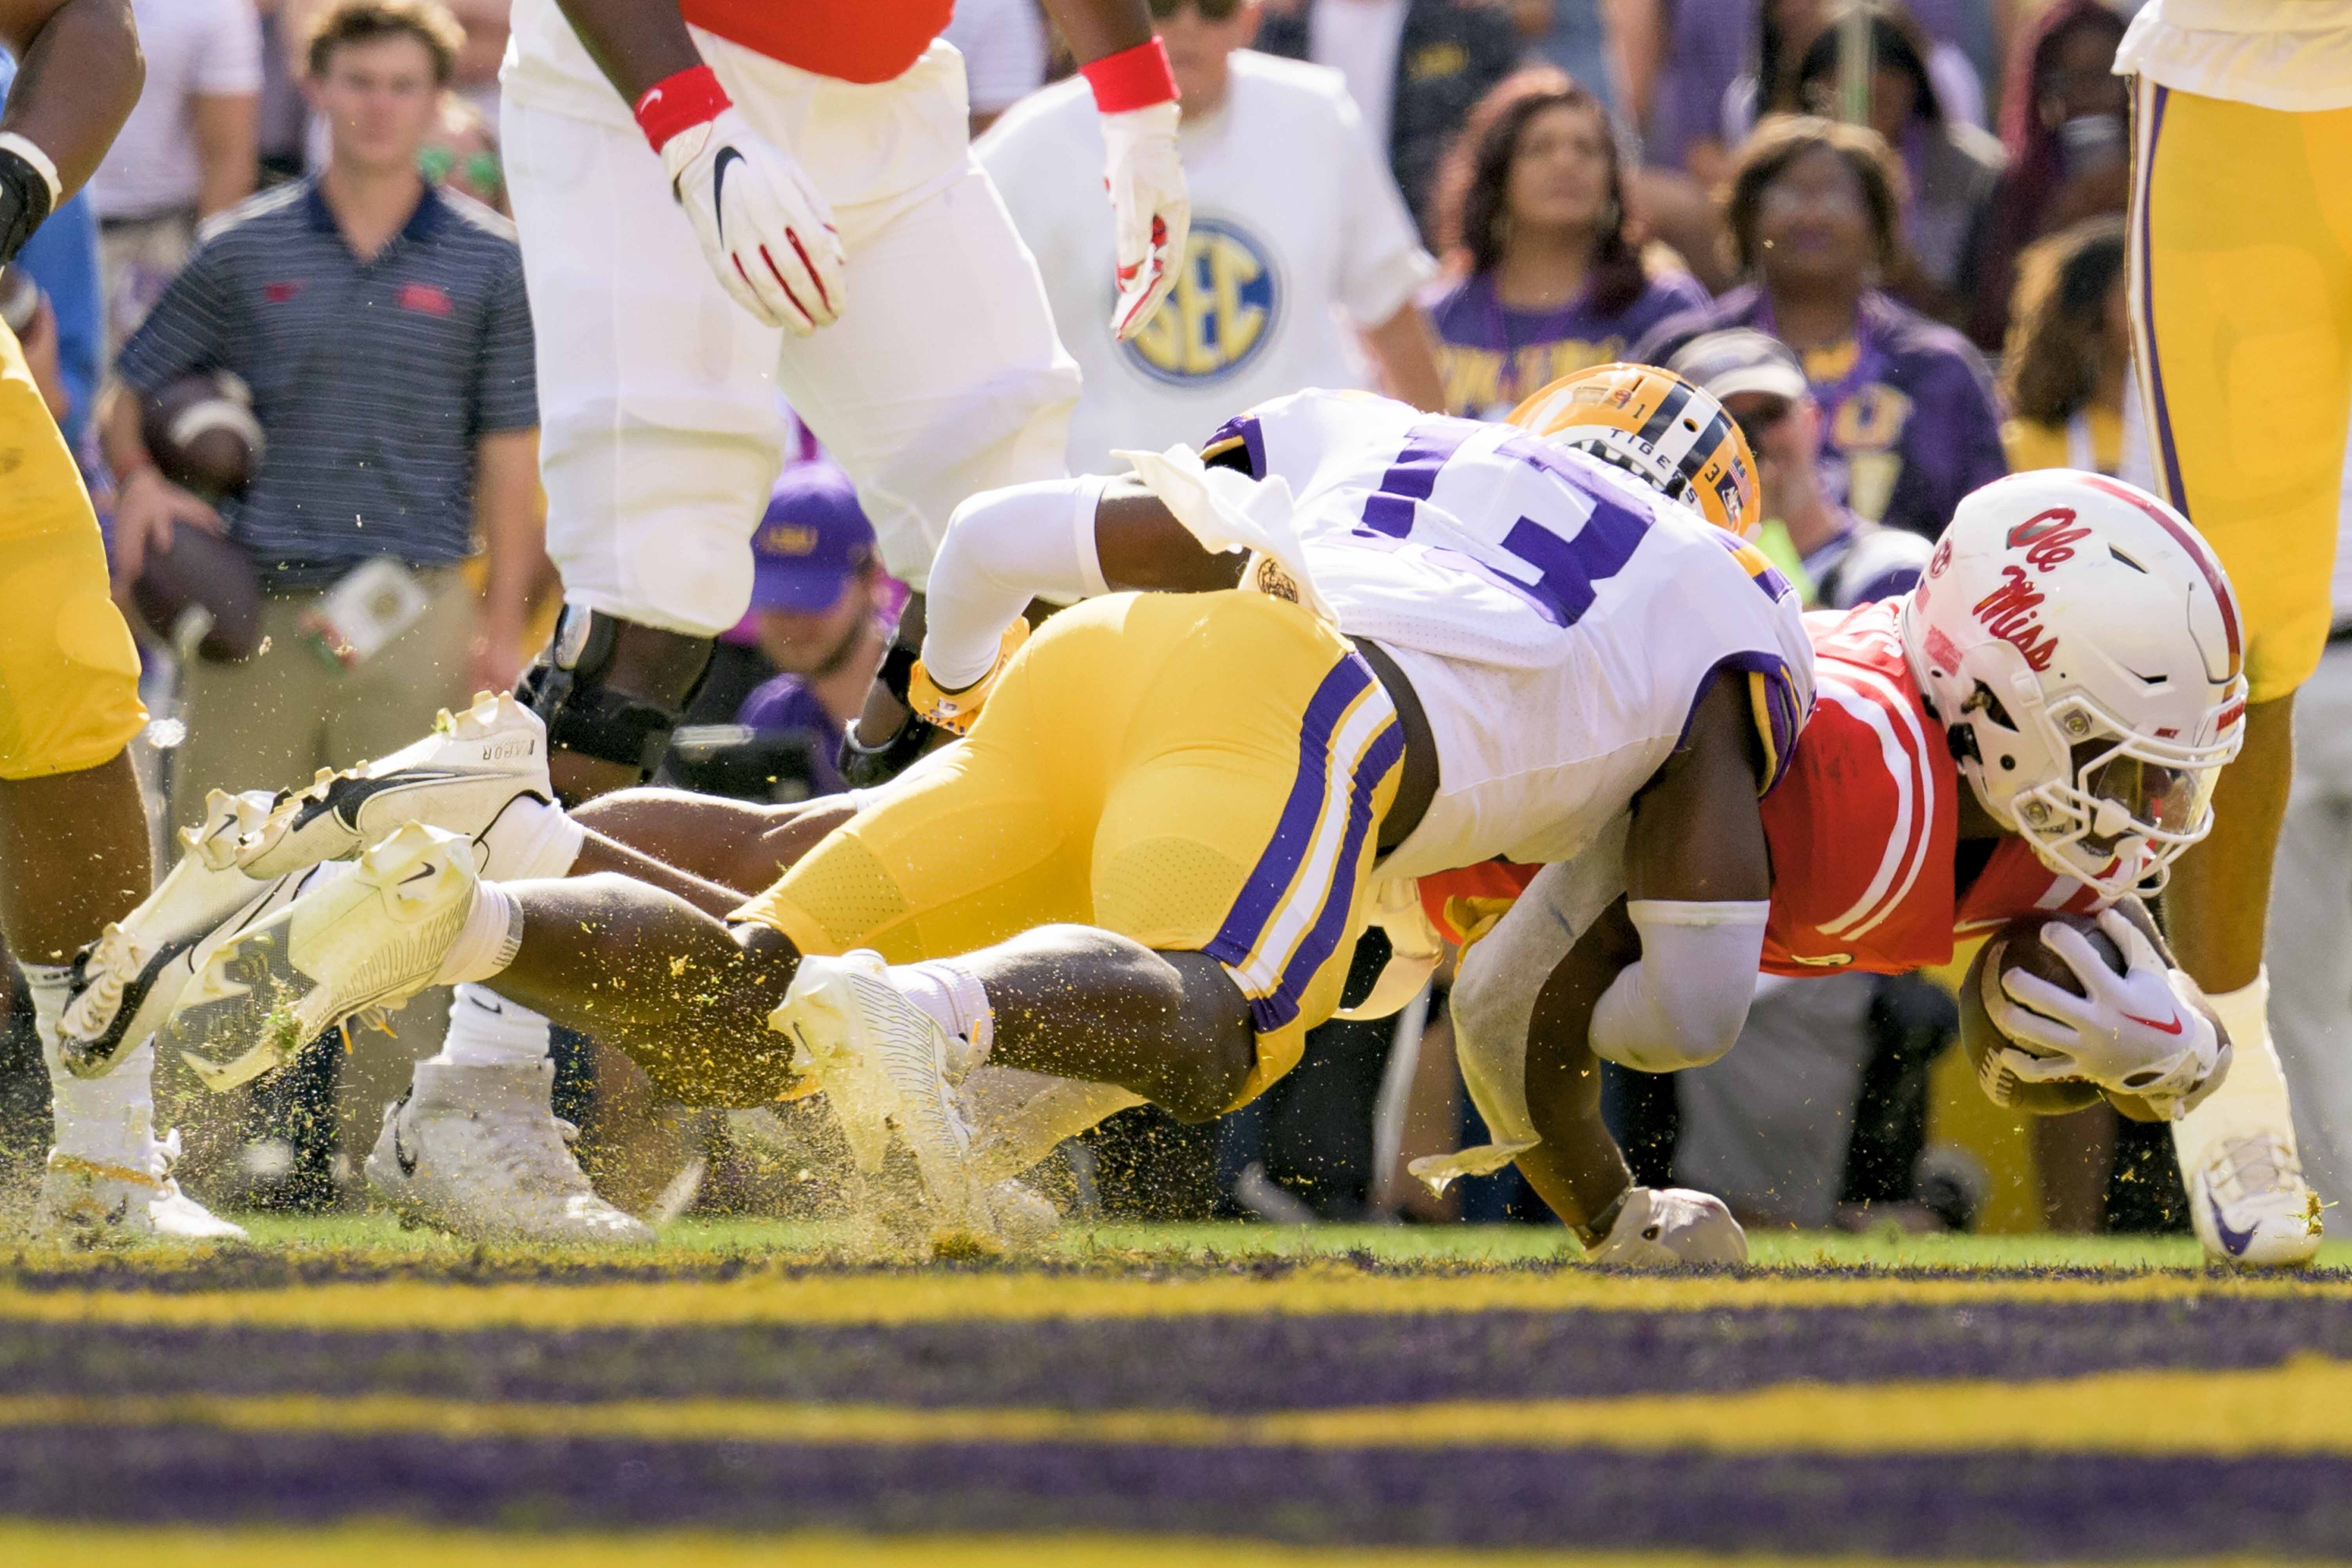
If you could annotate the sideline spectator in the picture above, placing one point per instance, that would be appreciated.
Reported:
(1573, 36)
(1533, 205)
(1906, 405)
(2062, 119)
(1951, 166)
(1003, 47)
(1297, 225)
(824, 609)
(186, 152)
(2069, 358)
(1840, 560)
(382, 329)
(1415, 68)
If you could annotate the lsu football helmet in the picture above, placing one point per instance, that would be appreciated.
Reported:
(1650, 422)
(2079, 642)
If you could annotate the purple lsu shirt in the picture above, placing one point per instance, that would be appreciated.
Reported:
(1490, 358)
(785, 702)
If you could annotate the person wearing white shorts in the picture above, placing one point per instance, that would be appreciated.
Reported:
(727, 206)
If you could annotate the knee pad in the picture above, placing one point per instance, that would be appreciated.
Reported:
(612, 689)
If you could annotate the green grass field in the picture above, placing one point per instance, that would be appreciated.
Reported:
(1405, 1247)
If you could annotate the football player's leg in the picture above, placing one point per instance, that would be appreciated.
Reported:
(73, 829)
(2243, 326)
(949, 381)
(660, 439)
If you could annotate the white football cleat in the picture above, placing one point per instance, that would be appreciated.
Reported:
(883, 1062)
(372, 938)
(2251, 1206)
(1669, 1227)
(125, 984)
(86, 1201)
(459, 778)
(1024, 1216)
(476, 1151)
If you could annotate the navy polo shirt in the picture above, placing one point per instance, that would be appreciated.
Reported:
(372, 380)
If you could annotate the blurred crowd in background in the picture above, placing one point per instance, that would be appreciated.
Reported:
(1891, 240)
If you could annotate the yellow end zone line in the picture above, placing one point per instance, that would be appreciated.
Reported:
(2303, 1407)
(930, 1298)
(371, 1545)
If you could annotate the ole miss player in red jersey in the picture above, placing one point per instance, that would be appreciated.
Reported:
(2036, 727)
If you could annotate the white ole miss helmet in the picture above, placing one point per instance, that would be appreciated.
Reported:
(2079, 642)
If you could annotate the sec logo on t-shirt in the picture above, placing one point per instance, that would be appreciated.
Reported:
(1223, 309)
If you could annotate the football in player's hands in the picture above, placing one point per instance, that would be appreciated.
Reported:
(2018, 946)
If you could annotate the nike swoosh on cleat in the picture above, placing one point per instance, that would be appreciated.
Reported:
(2169, 1026)
(135, 996)
(2233, 1242)
(345, 797)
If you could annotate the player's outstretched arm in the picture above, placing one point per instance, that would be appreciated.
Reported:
(1136, 92)
(765, 229)
(1663, 981)
(1058, 540)
(79, 72)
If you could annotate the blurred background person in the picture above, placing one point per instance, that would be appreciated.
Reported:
(1836, 559)
(1950, 166)
(1413, 67)
(1574, 37)
(1908, 418)
(2068, 364)
(1003, 47)
(2062, 120)
(1302, 262)
(461, 154)
(401, 441)
(187, 152)
(1532, 211)
(822, 612)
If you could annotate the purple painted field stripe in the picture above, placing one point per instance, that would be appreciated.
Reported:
(1229, 1364)
(2004, 1505)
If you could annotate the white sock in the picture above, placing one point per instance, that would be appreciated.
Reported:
(487, 945)
(2252, 1098)
(106, 1121)
(954, 995)
(530, 838)
(485, 1030)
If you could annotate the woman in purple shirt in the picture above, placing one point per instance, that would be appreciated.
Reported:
(1532, 210)
(1910, 423)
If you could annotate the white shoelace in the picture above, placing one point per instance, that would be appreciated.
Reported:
(2258, 1164)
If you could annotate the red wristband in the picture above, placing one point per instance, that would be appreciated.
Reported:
(680, 102)
(1131, 78)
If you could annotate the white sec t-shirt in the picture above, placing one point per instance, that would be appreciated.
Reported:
(1298, 235)
(195, 48)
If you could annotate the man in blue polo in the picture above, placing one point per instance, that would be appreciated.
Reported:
(382, 328)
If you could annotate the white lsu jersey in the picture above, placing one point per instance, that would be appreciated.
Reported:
(1558, 619)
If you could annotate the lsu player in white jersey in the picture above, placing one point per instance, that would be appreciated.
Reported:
(1402, 644)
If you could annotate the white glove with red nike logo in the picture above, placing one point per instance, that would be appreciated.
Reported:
(2139, 1033)
(1151, 213)
(767, 233)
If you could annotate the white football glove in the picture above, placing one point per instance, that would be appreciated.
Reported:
(1668, 1228)
(2136, 1033)
(768, 233)
(1151, 212)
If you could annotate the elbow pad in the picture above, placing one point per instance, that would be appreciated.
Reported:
(1683, 1003)
(1002, 549)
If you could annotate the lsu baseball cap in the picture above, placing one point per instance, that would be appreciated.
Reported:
(814, 539)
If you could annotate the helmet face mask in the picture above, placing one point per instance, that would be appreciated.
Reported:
(2078, 641)
(1653, 425)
